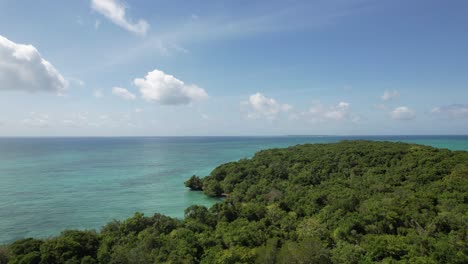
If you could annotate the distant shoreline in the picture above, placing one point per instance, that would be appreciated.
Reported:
(245, 136)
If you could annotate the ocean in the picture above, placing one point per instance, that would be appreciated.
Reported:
(51, 184)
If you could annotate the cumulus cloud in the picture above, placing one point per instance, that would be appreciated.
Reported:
(114, 10)
(165, 89)
(23, 68)
(261, 106)
(339, 112)
(389, 95)
(123, 93)
(403, 113)
(452, 111)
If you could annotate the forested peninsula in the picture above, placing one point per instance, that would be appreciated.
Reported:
(346, 202)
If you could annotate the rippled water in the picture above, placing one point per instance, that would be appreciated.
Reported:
(50, 184)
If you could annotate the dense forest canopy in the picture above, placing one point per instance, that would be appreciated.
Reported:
(348, 202)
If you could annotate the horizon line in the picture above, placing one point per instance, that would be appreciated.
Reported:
(246, 136)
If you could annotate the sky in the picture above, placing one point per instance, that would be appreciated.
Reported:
(220, 68)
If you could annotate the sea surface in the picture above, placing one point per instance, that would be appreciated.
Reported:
(51, 184)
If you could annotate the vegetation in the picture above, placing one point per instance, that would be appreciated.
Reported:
(350, 202)
(194, 183)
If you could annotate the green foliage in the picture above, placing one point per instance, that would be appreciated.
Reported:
(25, 246)
(305, 251)
(194, 183)
(200, 214)
(4, 254)
(70, 247)
(350, 202)
(25, 251)
(212, 188)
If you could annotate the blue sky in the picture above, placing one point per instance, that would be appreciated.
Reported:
(159, 68)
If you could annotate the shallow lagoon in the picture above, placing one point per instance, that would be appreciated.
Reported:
(51, 184)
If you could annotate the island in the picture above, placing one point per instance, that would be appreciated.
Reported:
(347, 202)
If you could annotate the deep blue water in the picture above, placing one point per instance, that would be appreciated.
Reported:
(51, 184)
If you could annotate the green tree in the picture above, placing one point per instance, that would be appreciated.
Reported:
(194, 183)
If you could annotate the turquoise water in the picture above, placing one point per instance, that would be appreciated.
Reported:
(51, 184)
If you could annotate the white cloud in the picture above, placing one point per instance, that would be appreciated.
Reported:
(389, 95)
(103, 117)
(123, 93)
(264, 107)
(178, 35)
(87, 119)
(22, 68)
(98, 94)
(138, 110)
(79, 119)
(403, 113)
(453, 110)
(286, 107)
(76, 81)
(114, 10)
(36, 120)
(97, 23)
(381, 107)
(342, 111)
(167, 90)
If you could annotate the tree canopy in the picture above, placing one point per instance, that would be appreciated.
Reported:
(347, 202)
